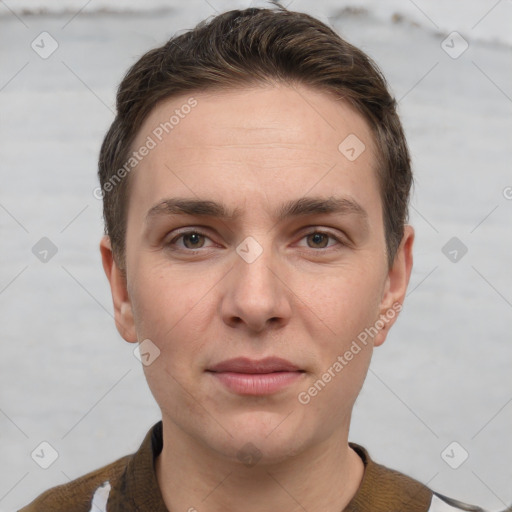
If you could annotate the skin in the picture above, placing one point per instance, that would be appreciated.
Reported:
(255, 149)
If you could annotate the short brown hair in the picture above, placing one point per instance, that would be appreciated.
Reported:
(245, 47)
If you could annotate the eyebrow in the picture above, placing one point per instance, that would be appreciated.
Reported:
(294, 208)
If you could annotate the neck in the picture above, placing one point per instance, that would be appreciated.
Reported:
(323, 478)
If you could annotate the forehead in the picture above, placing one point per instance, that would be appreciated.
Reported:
(259, 142)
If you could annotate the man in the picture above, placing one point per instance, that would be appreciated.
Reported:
(255, 185)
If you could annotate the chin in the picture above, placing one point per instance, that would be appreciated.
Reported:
(263, 438)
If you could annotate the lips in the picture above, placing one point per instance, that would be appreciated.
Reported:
(244, 376)
(252, 366)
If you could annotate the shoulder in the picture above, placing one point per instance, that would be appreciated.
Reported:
(77, 495)
(383, 489)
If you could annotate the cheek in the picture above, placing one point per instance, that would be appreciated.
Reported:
(173, 322)
(346, 302)
(175, 314)
(162, 299)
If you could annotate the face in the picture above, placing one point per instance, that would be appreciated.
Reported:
(294, 269)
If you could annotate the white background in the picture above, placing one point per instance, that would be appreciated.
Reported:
(443, 375)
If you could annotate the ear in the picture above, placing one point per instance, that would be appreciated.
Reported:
(122, 306)
(396, 285)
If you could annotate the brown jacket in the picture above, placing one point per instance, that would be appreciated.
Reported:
(130, 485)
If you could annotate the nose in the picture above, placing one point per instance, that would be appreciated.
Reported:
(256, 296)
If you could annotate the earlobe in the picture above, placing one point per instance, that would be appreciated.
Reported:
(123, 313)
(396, 285)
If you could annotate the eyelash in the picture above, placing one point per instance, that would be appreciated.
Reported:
(198, 232)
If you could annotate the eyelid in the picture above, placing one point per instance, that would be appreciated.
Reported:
(184, 232)
(311, 230)
(341, 240)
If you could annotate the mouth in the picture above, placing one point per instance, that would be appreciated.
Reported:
(256, 377)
